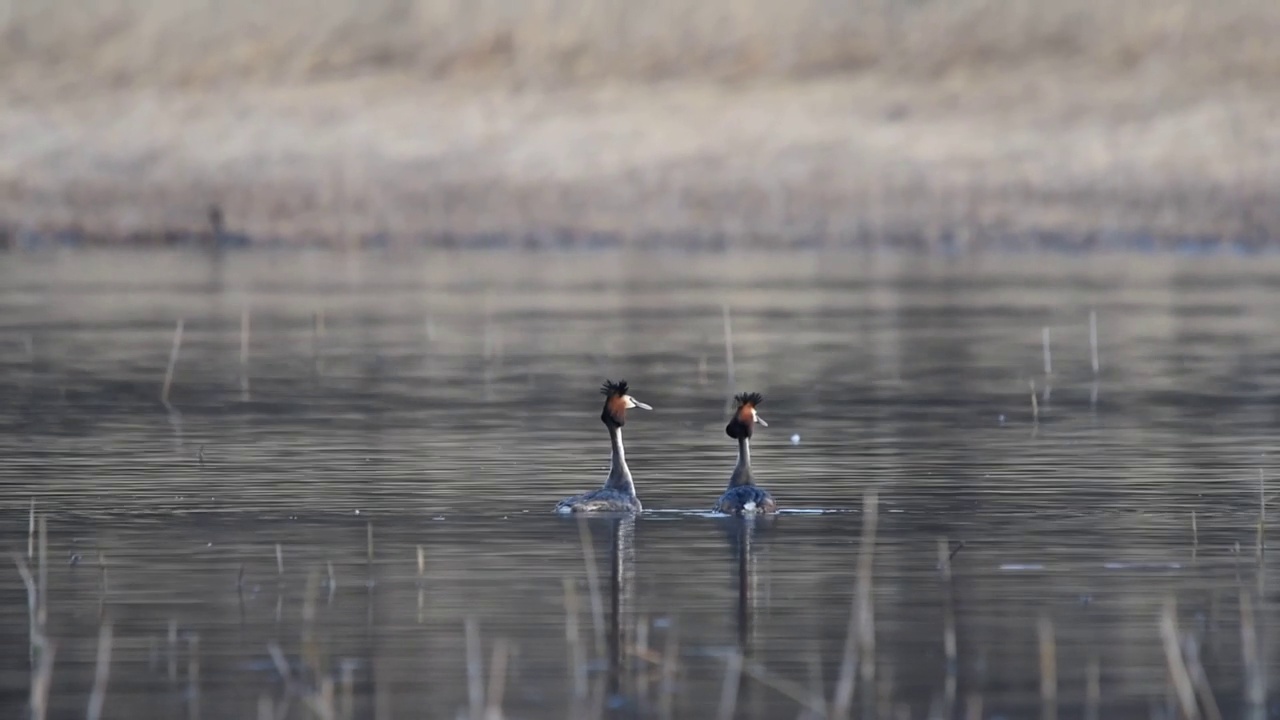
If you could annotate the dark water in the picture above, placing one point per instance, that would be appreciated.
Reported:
(441, 404)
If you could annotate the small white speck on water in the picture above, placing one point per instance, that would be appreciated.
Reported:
(1001, 419)
(357, 512)
(208, 544)
(795, 439)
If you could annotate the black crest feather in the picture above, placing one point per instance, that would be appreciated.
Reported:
(754, 398)
(613, 389)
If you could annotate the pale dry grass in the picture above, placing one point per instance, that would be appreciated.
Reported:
(341, 118)
(191, 42)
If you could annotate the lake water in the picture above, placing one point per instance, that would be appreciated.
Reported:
(400, 427)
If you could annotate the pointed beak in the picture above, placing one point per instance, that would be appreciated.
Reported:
(761, 421)
(640, 405)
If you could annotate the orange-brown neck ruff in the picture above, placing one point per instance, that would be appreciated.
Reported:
(615, 410)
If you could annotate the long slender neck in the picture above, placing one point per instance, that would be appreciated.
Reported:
(742, 471)
(619, 473)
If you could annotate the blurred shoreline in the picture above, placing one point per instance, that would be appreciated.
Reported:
(958, 125)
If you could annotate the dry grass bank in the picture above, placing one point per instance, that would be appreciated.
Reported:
(331, 120)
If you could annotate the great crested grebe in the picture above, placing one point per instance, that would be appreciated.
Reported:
(618, 493)
(743, 497)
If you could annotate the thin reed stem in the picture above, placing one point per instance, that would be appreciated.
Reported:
(1093, 341)
(173, 362)
(729, 686)
(1048, 354)
(1092, 689)
(101, 673)
(948, 628)
(866, 596)
(670, 665)
(593, 584)
(1048, 669)
(475, 669)
(244, 352)
(497, 680)
(1179, 676)
(573, 637)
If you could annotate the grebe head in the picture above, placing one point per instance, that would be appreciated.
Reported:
(617, 402)
(745, 416)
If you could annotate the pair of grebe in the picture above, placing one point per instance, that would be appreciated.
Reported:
(743, 496)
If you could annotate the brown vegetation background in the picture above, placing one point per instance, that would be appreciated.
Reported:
(333, 120)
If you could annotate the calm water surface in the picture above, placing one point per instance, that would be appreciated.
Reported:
(387, 408)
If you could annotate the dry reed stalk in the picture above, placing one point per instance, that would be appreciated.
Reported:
(497, 680)
(41, 681)
(1035, 404)
(475, 669)
(1048, 355)
(1251, 659)
(193, 677)
(641, 650)
(573, 637)
(593, 584)
(973, 706)
(859, 617)
(244, 352)
(1179, 676)
(1093, 340)
(323, 704)
(281, 664)
(670, 666)
(311, 654)
(1092, 689)
(317, 334)
(279, 561)
(37, 644)
(1191, 655)
(102, 575)
(173, 361)
(173, 651)
(348, 691)
(101, 673)
(866, 597)
(807, 698)
(817, 689)
(1261, 547)
(1195, 536)
(42, 554)
(381, 692)
(948, 627)
(729, 686)
(1048, 669)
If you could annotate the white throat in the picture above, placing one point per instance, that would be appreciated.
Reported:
(742, 471)
(619, 473)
